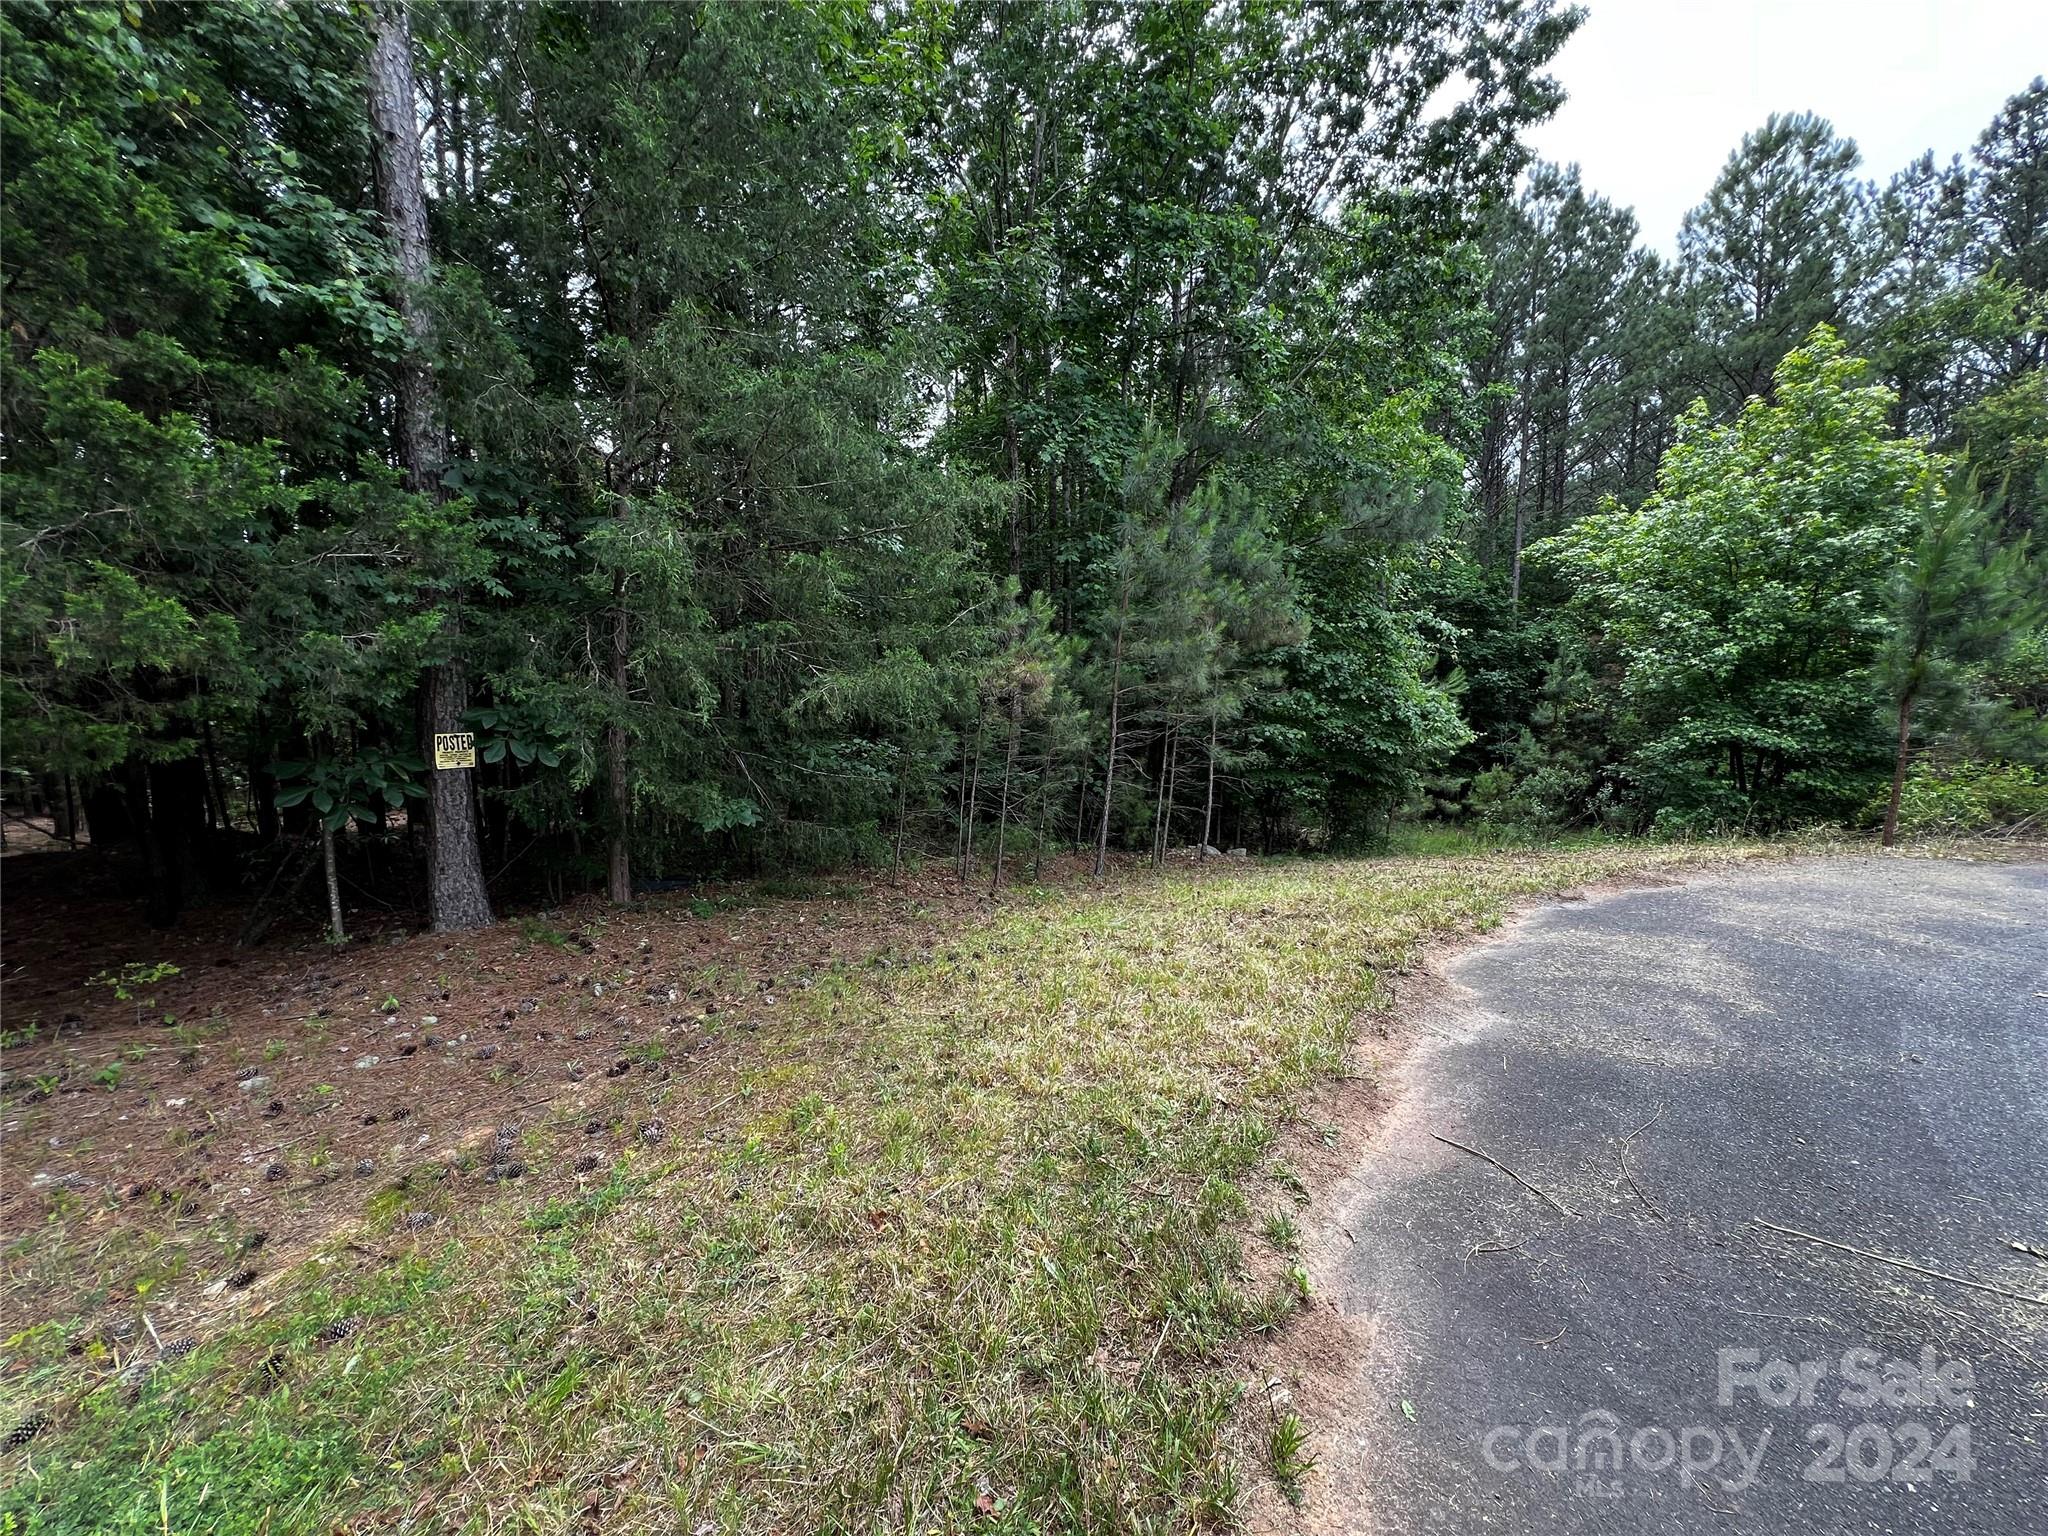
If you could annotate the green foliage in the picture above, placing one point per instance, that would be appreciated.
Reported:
(1564, 769)
(189, 293)
(1007, 424)
(135, 977)
(1964, 607)
(1208, 357)
(1771, 252)
(1745, 601)
(1964, 797)
(132, 981)
(362, 789)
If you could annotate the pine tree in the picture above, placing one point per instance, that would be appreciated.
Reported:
(2009, 213)
(1771, 252)
(1565, 286)
(1961, 601)
(456, 895)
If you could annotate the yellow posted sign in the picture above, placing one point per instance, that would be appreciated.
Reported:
(456, 749)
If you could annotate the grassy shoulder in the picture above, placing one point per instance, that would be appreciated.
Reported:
(965, 1245)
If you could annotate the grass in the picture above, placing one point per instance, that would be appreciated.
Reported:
(972, 1247)
(1288, 1455)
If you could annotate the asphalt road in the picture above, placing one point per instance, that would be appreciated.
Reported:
(1856, 1049)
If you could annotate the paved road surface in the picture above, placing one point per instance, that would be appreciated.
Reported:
(1857, 1049)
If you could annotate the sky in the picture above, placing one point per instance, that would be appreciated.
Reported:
(1662, 90)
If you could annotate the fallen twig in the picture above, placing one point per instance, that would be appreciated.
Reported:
(706, 1114)
(2028, 1249)
(1994, 1338)
(1484, 1157)
(279, 1146)
(1700, 1489)
(1478, 1248)
(1918, 1269)
(1621, 1156)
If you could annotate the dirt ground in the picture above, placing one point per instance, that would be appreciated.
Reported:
(280, 1090)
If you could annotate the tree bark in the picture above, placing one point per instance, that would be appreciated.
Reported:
(56, 794)
(456, 895)
(108, 821)
(1891, 810)
(457, 898)
(336, 935)
(216, 789)
(960, 818)
(172, 804)
(619, 881)
(1209, 803)
(1116, 698)
(972, 809)
(1521, 489)
(163, 897)
(1109, 774)
(1044, 811)
(263, 799)
(902, 811)
(1162, 813)
(1515, 569)
(1013, 464)
(1003, 820)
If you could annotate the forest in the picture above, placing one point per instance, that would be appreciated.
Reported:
(791, 437)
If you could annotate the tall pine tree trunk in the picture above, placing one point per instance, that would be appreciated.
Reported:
(1209, 803)
(973, 807)
(1116, 699)
(1162, 812)
(456, 897)
(960, 818)
(1891, 810)
(1044, 810)
(619, 881)
(1013, 464)
(1003, 819)
(1109, 775)
(902, 815)
(1515, 569)
(1525, 393)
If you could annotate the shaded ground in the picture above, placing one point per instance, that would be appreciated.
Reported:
(1858, 1050)
(280, 1088)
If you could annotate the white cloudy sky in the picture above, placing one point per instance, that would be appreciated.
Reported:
(1661, 90)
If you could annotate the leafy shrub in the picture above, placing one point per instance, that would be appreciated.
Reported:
(1967, 797)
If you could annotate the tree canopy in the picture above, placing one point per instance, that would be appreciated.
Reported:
(862, 433)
